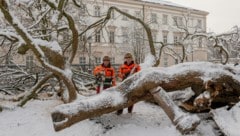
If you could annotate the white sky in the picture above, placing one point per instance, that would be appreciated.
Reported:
(223, 14)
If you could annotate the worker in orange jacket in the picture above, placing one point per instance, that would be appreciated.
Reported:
(105, 75)
(126, 70)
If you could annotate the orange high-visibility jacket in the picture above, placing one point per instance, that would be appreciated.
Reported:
(109, 74)
(125, 69)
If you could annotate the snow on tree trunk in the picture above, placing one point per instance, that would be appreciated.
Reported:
(108, 101)
(137, 88)
(183, 121)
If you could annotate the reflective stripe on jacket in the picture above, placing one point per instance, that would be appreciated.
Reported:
(109, 75)
(125, 70)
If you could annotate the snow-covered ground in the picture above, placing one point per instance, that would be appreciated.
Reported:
(34, 119)
(147, 120)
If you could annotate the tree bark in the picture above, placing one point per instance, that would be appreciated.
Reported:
(184, 122)
(62, 119)
(137, 88)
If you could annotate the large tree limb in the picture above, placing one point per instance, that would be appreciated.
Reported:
(184, 122)
(137, 88)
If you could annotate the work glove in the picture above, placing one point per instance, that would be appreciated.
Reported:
(100, 73)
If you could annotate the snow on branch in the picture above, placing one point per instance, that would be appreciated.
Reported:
(54, 46)
(71, 24)
(57, 62)
(40, 18)
(11, 36)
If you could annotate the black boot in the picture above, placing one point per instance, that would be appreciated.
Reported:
(119, 112)
(130, 109)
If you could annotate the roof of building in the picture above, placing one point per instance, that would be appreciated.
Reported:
(164, 2)
(171, 4)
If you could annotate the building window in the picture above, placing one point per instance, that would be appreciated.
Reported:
(177, 21)
(82, 39)
(138, 39)
(180, 21)
(123, 16)
(153, 18)
(138, 14)
(199, 23)
(112, 60)
(165, 19)
(82, 10)
(165, 36)
(174, 21)
(125, 35)
(200, 42)
(175, 39)
(82, 60)
(29, 61)
(97, 11)
(191, 22)
(111, 36)
(98, 36)
(154, 36)
(180, 37)
(98, 60)
(138, 33)
(165, 39)
(165, 60)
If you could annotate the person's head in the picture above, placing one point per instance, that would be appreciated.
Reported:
(106, 60)
(128, 58)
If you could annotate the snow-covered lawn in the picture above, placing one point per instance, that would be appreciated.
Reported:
(147, 120)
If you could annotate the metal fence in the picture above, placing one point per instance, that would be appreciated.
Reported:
(89, 68)
(37, 69)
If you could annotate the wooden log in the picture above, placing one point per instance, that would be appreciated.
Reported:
(136, 88)
(183, 121)
(108, 101)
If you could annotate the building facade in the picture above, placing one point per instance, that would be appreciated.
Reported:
(120, 34)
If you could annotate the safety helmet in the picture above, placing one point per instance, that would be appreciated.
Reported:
(128, 55)
(106, 58)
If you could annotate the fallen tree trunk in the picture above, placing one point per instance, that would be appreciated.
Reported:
(106, 102)
(137, 88)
